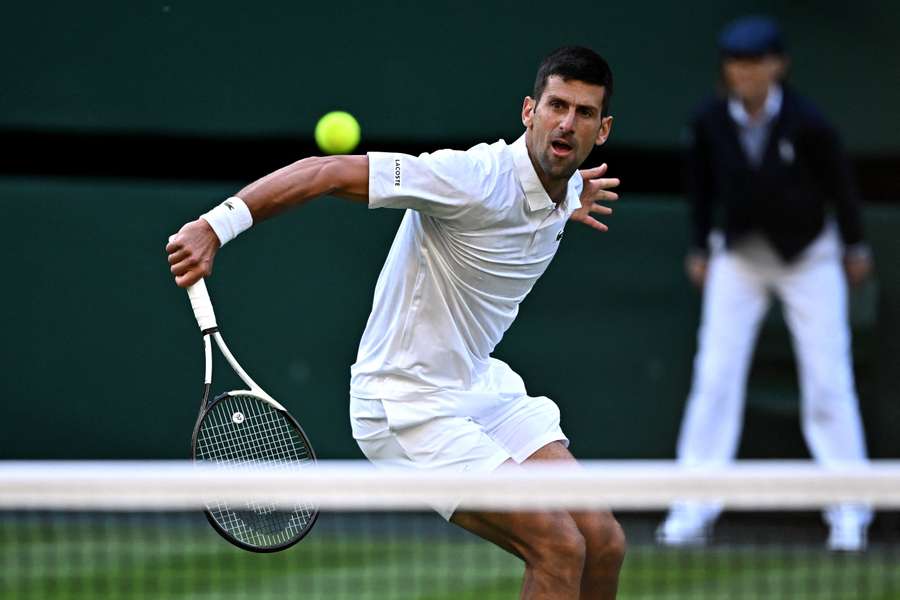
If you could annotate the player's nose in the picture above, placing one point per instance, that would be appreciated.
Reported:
(568, 122)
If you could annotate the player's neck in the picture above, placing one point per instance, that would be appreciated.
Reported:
(555, 188)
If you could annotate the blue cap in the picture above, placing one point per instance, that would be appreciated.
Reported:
(751, 36)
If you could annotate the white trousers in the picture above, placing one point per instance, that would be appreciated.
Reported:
(813, 293)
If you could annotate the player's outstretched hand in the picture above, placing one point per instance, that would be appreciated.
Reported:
(191, 252)
(596, 189)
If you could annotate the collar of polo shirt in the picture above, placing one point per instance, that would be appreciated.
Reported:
(771, 108)
(535, 193)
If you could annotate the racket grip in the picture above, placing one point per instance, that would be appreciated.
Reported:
(202, 305)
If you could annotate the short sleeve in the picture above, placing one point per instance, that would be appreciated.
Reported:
(442, 184)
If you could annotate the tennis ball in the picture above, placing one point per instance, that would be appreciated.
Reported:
(337, 132)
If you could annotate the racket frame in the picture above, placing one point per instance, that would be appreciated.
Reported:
(208, 514)
(209, 329)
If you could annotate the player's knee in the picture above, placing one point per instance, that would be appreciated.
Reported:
(605, 541)
(558, 548)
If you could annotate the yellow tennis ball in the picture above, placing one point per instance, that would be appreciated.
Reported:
(337, 132)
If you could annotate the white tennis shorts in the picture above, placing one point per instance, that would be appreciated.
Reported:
(514, 429)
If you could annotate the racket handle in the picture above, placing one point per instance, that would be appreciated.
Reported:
(202, 305)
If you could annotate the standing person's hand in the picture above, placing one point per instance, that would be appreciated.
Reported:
(696, 265)
(857, 267)
(596, 189)
(191, 252)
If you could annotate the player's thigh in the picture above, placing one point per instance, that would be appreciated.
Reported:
(514, 530)
(555, 450)
(530, 535)
(524, 533)
(602, 533)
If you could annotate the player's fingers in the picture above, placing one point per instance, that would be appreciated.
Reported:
(605, 183)
(187, 279)
(192, 275)
(189, 262)
(594, 172)
(601, 210)
(178, 255)
(594, 223)
(182, 267)
(604, 196)
(589, 221)
(173, 243)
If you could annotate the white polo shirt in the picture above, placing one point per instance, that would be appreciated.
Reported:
(478, 232)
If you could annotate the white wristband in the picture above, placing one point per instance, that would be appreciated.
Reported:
(229, 219)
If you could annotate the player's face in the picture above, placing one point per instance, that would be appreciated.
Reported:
(565, 125)
(749, 79)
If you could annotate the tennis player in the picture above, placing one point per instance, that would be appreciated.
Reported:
(480, 228)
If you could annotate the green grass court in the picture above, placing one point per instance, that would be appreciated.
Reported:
(178, 556)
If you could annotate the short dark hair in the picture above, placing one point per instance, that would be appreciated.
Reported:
(579, 63)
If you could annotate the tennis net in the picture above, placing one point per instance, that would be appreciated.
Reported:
(129, 530)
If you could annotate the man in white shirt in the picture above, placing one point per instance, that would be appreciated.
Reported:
(480, 228)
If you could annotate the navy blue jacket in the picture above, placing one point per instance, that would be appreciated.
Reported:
(803, 172)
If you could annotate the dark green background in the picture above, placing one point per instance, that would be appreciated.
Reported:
(412, 70)
(102, 357)
(100, 353)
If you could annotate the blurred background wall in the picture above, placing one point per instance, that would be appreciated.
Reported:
(120, 121)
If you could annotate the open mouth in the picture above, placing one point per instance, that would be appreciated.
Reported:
(560, 147)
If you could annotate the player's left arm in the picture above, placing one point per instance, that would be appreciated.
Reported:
(597, 189)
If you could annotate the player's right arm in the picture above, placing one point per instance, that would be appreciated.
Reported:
(341, 176)
(192, 250)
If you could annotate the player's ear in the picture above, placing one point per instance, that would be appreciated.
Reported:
(605, 128)
(527, 111)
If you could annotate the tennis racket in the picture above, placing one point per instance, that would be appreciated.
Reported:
(247, 430)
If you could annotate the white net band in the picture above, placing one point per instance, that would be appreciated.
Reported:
(356, 485)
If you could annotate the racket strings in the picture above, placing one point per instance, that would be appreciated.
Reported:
(245, 433)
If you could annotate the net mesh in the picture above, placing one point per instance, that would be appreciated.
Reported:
(119, 531)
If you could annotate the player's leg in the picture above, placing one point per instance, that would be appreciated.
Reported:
(603, 536)
(735, 299)
(567, 554)
(815, 298)
(529, 429)
(549, 542)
